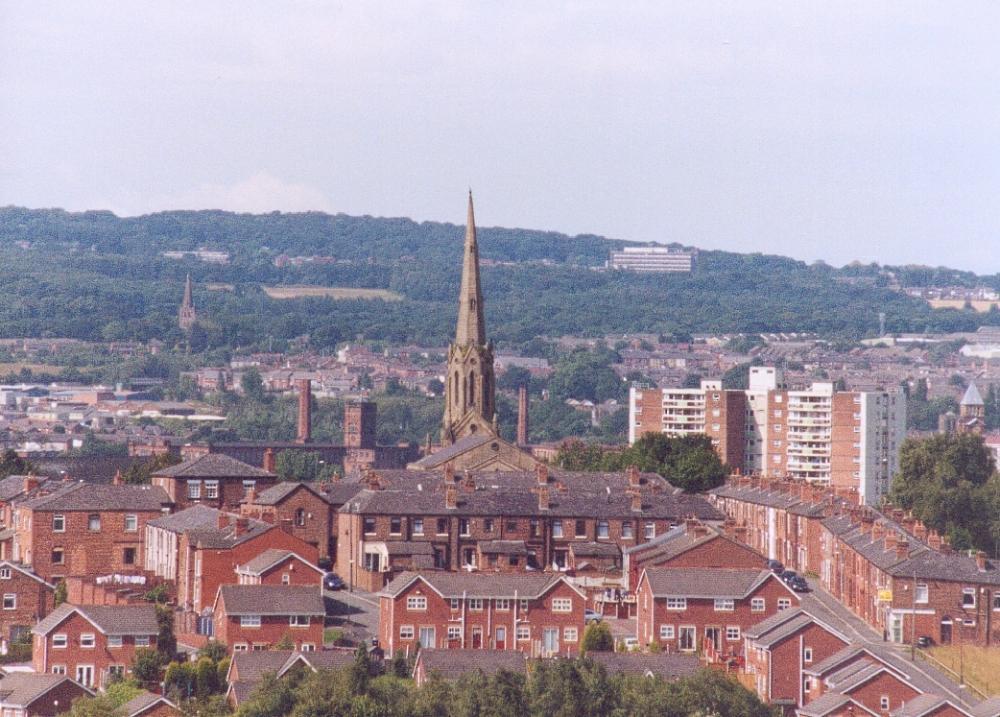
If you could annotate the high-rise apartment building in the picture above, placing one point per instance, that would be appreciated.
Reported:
(844, 439)
(652, 259)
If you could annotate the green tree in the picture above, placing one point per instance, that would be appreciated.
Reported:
(301, 466)
(166, 643)
(60, 593)
(146, 665)
(597, 637)
(253, 385)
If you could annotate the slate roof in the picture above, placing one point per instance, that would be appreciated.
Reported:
(252, 665)
(729, 583)
(277, 493)
(830, 702)
(987, 708)
(271, 600)
(13, 486)
(142, 702)
(571, 494)
(268, 559)
(403, 547)
(855, 674)
(972, 396)
(98, 497)
(224, 538)
(783, 632)
(488, 585)
(20, 689)
(195, 517)
(595, 550)
(214, 465)
(669, 666)
(774, 621)
(440, 457)
(831, 663)
(925, 704)
(452, 664)
(117, 620)
(770, 498)
(955, 567)
(503, 547)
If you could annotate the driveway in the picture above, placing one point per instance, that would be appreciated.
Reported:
(356, 613)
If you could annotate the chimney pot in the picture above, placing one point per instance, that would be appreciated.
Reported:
(636, 501)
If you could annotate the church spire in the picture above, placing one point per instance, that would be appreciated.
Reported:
(187, 317)
(471, 327)
(188, 301)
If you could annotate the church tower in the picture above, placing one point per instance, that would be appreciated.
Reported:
(186, 317)
(470, 405)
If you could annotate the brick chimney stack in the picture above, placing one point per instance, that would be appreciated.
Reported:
(543, 497)
(31, 483)
(449, 474)
(268, 460)
(522, 416)
(902, 550)
(242, 526)
(934, 540)
(451, 496)
(305, 410)
(981, 560)
(633, 476)
(117, 479)
(251, 496)
(222, 521)
(542, 474)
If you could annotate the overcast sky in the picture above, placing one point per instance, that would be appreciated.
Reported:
(835, 131)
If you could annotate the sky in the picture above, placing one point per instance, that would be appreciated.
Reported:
(842, 131)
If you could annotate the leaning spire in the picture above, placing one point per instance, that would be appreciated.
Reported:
(471, 327)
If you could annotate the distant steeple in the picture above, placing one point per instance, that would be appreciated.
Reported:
(471, 327)
(187, 317)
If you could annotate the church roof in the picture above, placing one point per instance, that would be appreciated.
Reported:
(972, 396)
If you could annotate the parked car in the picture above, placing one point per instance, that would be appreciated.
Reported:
(798, 584)
(590, 616)
(788, 575)
(775, 566)
(924, 641)
(332, 581)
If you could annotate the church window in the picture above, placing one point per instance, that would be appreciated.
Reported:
(472, 388)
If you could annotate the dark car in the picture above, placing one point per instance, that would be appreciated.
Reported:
(924, 641)
(798, 584)
(332, 581)
(788, 576)
(775, 566)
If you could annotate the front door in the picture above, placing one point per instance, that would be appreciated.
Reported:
(477, 638)
(686, 638)
(946, 632)
(550, 641)
(896, 628)
(85, 675)
(501, 638)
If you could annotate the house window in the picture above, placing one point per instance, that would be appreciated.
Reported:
(807, 684)
(807, 655)
(57, 556)
(724, 605)
(442, 528)
(115, 641)
(128, 556)
(9, 601)
(676, 603)
(94, 522)
(686, 638)
(58, 669)
(536, 529)
(4, 573)
(569, 634)
(488, 525)
(666, 632)
(884, 702)
(142, 640)
(732, 633)
(627, 529)
(131, 523)
(557, 531)
(996, 596)
(300, 517)
(784, 603)
(757, 604)
(248, 485)
(511, 526)
(602, 529)
(454, 603)
(968, 597)
(298, 620)
(249, 620)
(416, 602)
(503, 604)
(87, 640)
(581, 529)
(562, 605)
(454, 632)
(308, 647)
(920, 594)
(212, 489)
(240, 647)
(373, 562)
(523, 633)
(418, 526)
(476, 604)
(58, 523)
(59, 640)
(406, 632)
(369, 525)
(463, 526)
(523, 605)
(395, 525)
(650, 531)
(194, 489)
(286, 579)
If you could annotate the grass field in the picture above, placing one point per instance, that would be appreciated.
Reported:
(980, 306)
(329, 292)
(981, 665)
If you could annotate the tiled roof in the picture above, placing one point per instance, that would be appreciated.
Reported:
(242, 690)
(774, 621)
(833, 662)
(224, 538)
(405, 547)
(277, 493)
(729, 583)
(987, 708)
(855, 674)
(252, 665)
(214, 465)
(20, 689)
(595, 550)
(13, 486)
(925, 704)
(272, 600)
(783, 632)
(24, 570)
(439, 458)
(268, 559)
(452, 664)
(142, 702)
(955, 567)
(475, 585)
(197, 516)
(503, 547)
(829, 703)
(98, 497)
(666, 665)
(118, 620)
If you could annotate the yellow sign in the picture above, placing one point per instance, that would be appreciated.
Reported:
(885, 595)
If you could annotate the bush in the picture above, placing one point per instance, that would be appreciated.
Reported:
(597, 638)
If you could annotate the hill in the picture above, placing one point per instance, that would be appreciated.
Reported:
(93, 275)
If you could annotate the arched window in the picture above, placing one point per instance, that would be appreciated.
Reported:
(472, 388)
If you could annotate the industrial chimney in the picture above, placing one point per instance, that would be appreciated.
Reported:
(305, 410)
(522, 416)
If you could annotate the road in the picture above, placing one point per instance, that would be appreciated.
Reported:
(356, 613)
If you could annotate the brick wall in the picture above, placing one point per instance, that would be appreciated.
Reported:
(33, 600)
(272, 630)
(302, 513)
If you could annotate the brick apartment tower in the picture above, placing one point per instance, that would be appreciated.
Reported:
(522, 416)
(359, 424)
(305, 410)
(469, 388)
(187, 317)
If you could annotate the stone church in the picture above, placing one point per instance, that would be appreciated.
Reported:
(469, 436)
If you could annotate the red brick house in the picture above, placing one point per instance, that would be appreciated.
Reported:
(279, 567)
(779, 648)
(258, 617)
(706, 610)
(212, 479)
(301, 507)
(541, 615)
(85, 529)
(26, 694)
(26, 599)
(92, 644)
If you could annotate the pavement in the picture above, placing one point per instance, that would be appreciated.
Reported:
(354, 612)
(829, 609)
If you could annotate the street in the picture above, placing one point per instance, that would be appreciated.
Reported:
(356, 613)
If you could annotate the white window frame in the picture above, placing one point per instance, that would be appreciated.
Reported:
(502, 604)
(58, 523)
(58, 669)
(784, 603)
(241, 647)
(603, 530)
(308, 647)
(454, 632)
(758, 604)
(883, 702)
(921, 594)
(522, 633)
(406, 632)
(649, 530)
(60, 641)
(724, 605)
(88, 641)
(133, 519)
(416, 602)
(13, 601)
(561, 604)
(475, 604)
(570, 634)
(807, 655)
(666, 632)
(194, 490)
(733, 633)
(250, 621)
(211, 489)
(115, 641)
(454, 603)
(5, 573)
(142, 640)
(418, 526)
(971, 592)
(296, 621)
(678, 604)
